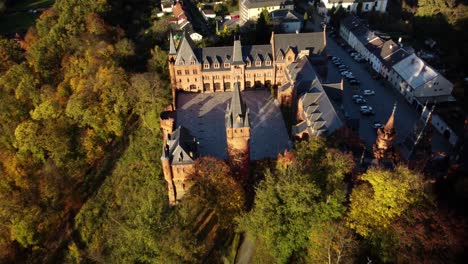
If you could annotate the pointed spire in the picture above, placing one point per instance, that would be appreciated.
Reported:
(342, 84)
(237, 53)
(186, 50)
(324, 36)
(172, 48)
(390, 126)
(236, 114)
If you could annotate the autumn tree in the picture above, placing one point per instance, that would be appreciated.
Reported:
(381, 197)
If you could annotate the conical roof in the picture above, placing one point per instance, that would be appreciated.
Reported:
(236, 115)
(172, 48)
(390, 125)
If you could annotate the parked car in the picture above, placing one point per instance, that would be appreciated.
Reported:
(377, 125)
(343, 70)
(356, 96)
(360, 101)
(344, 73)
(349, 50)
(368, 92)
(367, 110)
(354, 82)
(342, 66)
(337, 63)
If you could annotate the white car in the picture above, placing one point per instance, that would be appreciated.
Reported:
(377, 125)
(345, 73)
(368, 92)
(366, 108)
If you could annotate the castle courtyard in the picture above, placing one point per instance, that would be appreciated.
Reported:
(203, 114)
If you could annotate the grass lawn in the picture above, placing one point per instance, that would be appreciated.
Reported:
(17, 19)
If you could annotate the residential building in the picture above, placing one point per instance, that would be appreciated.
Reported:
(419, 82)
(251, 9)
(351, 5)
(208, 14)
(166, 6)
(378, 55)
(289, 21)
(356, 34)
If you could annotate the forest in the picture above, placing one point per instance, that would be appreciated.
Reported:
(81, 182)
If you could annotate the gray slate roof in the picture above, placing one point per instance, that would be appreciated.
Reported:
(181, 147)
(320, 117)
(186, 51)
(237, 113)
(172, 48)
(286, 15)
(304, 41)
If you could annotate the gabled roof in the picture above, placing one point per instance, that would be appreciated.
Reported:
(305, 41)
(415, 71)
(186, 50)
(177, 9)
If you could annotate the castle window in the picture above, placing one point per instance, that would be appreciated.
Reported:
(207, 77)
(216, 77)
(289, 58)
(179, 72)
(280, 57)
(268, 63)
(206, 66)
(181, 63)
(187, 72)
(249, 64)
(258, 63)
(195, 72)
(226, 65)
(247, 75)
(216, 65)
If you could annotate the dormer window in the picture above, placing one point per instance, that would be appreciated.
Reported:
(249, 64)
(181, 62)
(226, 65)
(268, 63)
(258, 63)
(216, 65)
(206, 66)
(192, 62)
(280, 57)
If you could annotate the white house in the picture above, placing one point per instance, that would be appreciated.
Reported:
(420, 83)
(208, 14)
(351, 5)
(251, 9)
(288, 20)
(166, 6)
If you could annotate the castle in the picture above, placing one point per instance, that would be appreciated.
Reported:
(291, 63)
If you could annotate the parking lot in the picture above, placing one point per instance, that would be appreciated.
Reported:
(382, 102)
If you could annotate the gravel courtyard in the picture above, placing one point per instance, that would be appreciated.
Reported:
(203, 116)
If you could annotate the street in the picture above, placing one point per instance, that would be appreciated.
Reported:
(382, 102)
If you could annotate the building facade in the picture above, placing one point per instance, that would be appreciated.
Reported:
(215, 69)
(352, 5)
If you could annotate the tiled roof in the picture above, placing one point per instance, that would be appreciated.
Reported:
(177, 10)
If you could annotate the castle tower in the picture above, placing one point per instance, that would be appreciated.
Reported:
(383, 146)
(238, 134)
(172, 55)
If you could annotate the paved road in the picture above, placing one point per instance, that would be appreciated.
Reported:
(382, 102)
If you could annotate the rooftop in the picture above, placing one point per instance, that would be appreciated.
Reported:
(415, 71)
(265, 3)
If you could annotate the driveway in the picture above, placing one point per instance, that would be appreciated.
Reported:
(382, 102)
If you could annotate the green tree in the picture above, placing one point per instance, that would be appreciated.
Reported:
(381, 198)
(304, 191)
